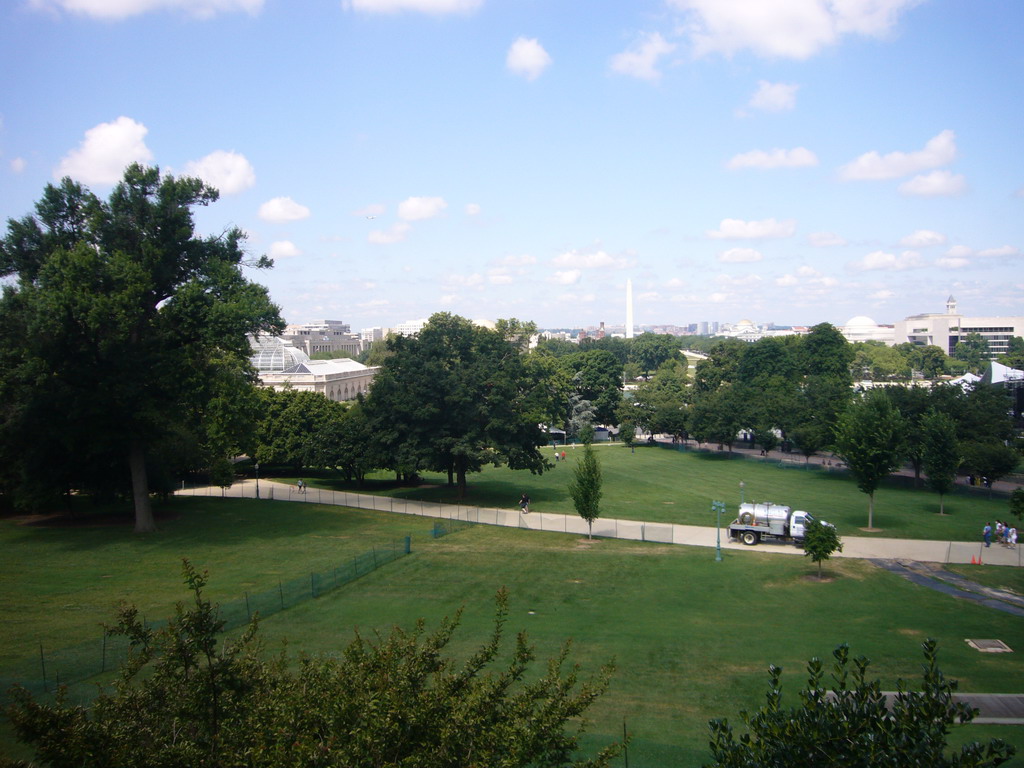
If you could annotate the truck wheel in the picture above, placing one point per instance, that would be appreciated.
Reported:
(750, 538)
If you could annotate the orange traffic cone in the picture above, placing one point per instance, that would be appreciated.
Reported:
(974, 560)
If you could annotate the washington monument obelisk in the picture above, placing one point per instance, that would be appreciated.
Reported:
(629, 309)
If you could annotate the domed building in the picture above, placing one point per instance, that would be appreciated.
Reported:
(281, 365)
(271, 354)
(862, 328)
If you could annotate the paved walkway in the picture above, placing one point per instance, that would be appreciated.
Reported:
(919, 550)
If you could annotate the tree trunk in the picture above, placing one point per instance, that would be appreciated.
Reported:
(942, 504)
(871, 510)
(140, 488)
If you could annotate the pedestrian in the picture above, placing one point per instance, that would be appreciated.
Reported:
(563, 455)
(1000, 528)
(301, 486)
(970, 480)
(556, 457)
(986, 533)
(524, 503)
(1012, 538)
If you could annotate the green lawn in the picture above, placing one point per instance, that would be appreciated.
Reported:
(692, 638)
(658, 484)
(61, 583)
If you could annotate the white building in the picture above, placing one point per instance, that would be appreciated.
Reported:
(946, 330)
(861, 328)
(331, 336)
(281, 365)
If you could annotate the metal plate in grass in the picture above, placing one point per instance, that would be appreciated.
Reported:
(989, 646)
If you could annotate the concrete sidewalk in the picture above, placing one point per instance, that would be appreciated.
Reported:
(634, 530)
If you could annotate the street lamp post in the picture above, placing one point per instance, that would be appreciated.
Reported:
(718, 507)
(742, 487)
(256, 466)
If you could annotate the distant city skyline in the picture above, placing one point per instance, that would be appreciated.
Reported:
(786, 161)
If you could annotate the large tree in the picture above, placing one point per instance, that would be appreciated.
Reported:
(457, 397)
(127, 330)
(869, 438)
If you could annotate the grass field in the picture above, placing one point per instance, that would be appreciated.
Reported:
(658, 484)
(692, 638)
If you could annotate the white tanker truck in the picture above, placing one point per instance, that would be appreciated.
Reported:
(756, 521)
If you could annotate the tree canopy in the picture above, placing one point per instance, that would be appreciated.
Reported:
(457, 397)
(129, 331)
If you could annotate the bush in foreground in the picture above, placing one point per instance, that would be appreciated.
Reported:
(852, 725)
(184, 697)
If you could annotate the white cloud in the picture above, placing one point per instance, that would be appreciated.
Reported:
(940, 150)
(786, 280)
(794, 29)
(738, 280)
(396, 234)
(567, 277)
(594, 260)
(228, 172)
(105, 151)
(282, 209)
(518, 260)
(959, 251)
(718, 297)
(800, 157)
(935, 184)
(825, 239)
(922, 238)
(448, 299)
(528, 58)
(641, 61)
(1003, 250)
(498, 278)
(458, 280)
(371, 211)
(122, 9)
(890, 262)
(675, 282)
(883, 295)
(806, 271)
(953, 262)
(740, 256)
(435, 7)
(18, 164)
(419, 208)
(472, 209)
(774, 97)
(736, 229)
(283, 249)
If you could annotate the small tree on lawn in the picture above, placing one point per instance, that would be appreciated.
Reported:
(852, 725)
(820, 541)
(627, 433)
(1017, 503)
(585, 488)
(941, 454)
(869, 438)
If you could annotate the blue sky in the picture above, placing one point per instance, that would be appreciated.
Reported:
(792, 161)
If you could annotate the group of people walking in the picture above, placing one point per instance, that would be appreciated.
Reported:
(1004, 534)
